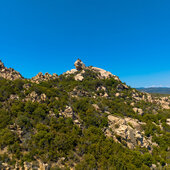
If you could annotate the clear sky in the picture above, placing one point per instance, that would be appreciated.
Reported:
(130, 38)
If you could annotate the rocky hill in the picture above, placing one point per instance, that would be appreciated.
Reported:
(85, 118)
(9, 73)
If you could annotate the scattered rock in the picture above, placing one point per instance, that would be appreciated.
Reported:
(101, 88)
(68, 112)
(15, 128)
(138, 110)
(96, 107)
(42, 166)
(60, 162)
(14, 97)
(168, 121)
(117, 94)
(163, 102)
(57, 98)
(27, 165)
(105, 95)
(34, 97)
(77, 122)
(153, 167)
(78, 93)
(27, 86)
(43, 97)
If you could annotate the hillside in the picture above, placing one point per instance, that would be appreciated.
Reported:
(84, 119)
(159, 90)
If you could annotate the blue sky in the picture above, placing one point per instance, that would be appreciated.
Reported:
(130, 38)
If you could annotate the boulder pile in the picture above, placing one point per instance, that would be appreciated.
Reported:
(9, 73)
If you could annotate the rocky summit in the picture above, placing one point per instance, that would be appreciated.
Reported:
(81, 68)
(85, 118)
(9, 73)
(40, 77)
(79, 65)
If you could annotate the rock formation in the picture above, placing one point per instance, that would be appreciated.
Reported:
(68, 112)
(9, 73)
(34, 97)
(128, 131)
(40, 77)
(79, 65)
(103, 73)
(138, 110)
(81, 68)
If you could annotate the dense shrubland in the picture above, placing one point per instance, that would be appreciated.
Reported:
(28, 131)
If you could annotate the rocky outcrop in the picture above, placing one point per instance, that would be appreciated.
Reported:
(103, 74)
(102, 91)
(34, 97)
(46, 77)
(79, 65)
(79, 93)
(14, 97)
(163, 102)
(81, 68)
(72, 71)
(9, 73)
(121, 87)
(38, 165)
(138, 110)
(79, 76)
(127, 131)
(27, 86)
(68, 112)
(168, 122)
(16, 129)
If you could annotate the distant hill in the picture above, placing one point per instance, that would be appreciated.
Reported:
(160, 90)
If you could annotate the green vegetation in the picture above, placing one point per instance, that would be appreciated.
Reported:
(156, 90)
(37, 130)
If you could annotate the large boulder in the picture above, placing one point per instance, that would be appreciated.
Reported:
(79, 76)
(79, 65)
